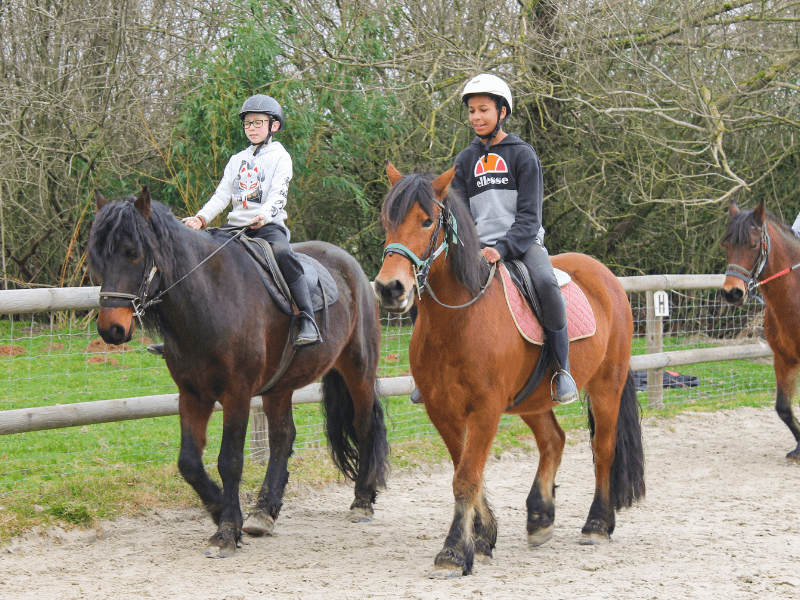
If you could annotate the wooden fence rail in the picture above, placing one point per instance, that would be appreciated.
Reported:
(85, 413)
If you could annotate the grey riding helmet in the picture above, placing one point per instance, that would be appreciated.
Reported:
(267, 105)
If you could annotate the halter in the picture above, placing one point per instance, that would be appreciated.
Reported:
(422, 265)
(749, 277)
(139, 300)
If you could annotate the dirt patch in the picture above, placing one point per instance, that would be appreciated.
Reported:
(98, 346)
(719, 521)
(6, 350)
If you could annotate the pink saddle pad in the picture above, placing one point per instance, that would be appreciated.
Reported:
(580, 318)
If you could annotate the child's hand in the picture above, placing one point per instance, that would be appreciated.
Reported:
(491, 255)
(194, 222)
(258, 222)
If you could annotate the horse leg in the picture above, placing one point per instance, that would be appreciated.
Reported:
(786, 369)
(484, 530)
(458, 553)
(194, 418)
(230, 464)
(282, 433)
(541, 499)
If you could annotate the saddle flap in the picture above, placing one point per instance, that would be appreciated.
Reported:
(580, 317)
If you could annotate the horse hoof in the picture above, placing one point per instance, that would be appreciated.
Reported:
(360, 515)
(591, 539)
(537, 538)
(445, 573)
(794, 455)
(259, 524)
(219, 552)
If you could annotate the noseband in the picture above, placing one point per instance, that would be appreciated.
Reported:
(749, 277)
(138, 300)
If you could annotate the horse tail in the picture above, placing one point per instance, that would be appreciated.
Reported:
(339, 412)
(627, 470)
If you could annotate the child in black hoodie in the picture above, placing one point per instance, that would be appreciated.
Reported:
(500, 176)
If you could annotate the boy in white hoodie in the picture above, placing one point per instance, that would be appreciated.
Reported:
(256, 183)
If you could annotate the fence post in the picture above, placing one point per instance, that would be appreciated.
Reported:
(654, 332)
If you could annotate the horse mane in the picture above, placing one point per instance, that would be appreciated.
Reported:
(738, 230)
(464, 253)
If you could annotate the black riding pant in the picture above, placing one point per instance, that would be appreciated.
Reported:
(284, 256)
(554, 310)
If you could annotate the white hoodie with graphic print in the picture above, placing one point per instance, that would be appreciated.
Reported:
(253, 185)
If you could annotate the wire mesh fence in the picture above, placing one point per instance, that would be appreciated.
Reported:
(57, 358)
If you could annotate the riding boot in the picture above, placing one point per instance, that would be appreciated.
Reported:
(157, 349)
(308, 332)
(565, 389)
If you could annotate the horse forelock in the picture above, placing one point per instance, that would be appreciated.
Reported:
(411, 189)
(416, 188)
(120, 223)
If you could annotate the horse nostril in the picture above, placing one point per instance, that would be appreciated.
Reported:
(389, 291)
(732, 296)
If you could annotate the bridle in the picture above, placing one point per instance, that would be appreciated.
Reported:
(749, 277)
(422, 264)
(139, 301)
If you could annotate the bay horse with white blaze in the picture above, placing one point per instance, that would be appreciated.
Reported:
(224, 339)
(763, 252)
(469, 362)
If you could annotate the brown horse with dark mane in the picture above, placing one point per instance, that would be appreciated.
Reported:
(225, 340)
(470, 361)
(763, 252)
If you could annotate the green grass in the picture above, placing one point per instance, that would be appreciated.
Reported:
(76, 476)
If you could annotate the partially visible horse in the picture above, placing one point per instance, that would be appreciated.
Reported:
(469, 361)
(763, 252)
(224, 338)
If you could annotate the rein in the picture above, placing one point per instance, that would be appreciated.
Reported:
(422, 265)
(139, 300)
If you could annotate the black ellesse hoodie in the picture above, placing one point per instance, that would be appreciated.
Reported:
(504, 190)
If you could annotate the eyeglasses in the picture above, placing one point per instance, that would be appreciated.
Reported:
(257, 123)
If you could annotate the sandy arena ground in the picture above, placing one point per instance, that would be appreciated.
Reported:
(720, 520)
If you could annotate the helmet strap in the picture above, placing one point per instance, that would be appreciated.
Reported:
(266, 140)
(486, 140)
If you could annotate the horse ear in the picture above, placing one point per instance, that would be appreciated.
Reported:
(733, 208)
(442, 182)
(760, 212)
(99, 199)
(142, 203)
(393, 174)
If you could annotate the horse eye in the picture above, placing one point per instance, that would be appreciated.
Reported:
(427, 223)
(132, 254)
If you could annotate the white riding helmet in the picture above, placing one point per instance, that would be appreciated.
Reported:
(486, 83)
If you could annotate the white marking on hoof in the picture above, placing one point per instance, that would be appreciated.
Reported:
(541, 536)
(445, 573)
(591, 539)
(217, 552)
(360, 515)
(259, 525)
